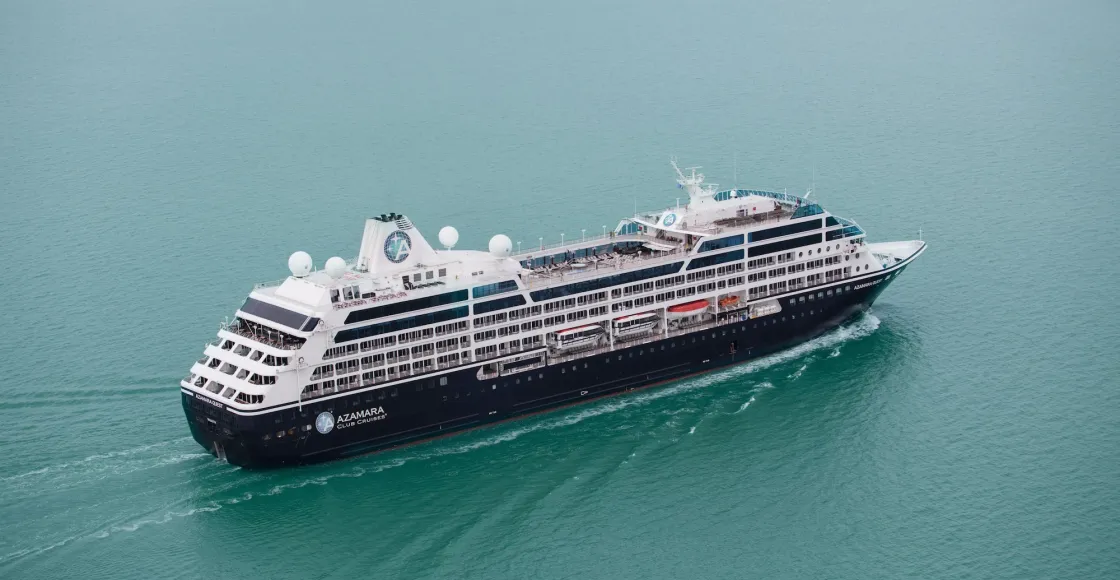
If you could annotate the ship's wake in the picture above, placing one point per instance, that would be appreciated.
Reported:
(243, 486)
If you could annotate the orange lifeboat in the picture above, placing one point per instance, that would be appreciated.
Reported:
(727, 301)
(687, 309)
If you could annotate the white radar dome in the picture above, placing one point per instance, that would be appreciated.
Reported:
(500, 246)
(300, 264)
(448, 236)
(335, 267)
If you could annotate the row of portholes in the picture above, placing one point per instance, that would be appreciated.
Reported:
(826, 248)
(792, 317)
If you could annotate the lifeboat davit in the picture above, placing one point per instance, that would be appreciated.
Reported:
(687, 309)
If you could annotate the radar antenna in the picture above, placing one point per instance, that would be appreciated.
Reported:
(691, 182)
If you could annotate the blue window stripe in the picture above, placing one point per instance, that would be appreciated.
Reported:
(715, 259)
(400, 324)
(492, 289)
(721, 243)
(403, 306)
(783, 245)
(806, 211)
(499, 304)
(784, 230)
(607, 282)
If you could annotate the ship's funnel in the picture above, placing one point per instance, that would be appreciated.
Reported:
(391, 243)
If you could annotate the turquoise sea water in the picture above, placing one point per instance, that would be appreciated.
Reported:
(157, 158)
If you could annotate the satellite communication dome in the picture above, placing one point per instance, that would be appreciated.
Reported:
(500, 246)
(448, 236)
(335, 267)
(300, 264)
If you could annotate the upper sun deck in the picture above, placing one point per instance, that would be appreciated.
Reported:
(396, 263)
(711, 213)
(596, 256)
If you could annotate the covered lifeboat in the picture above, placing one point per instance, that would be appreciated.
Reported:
(687, 309)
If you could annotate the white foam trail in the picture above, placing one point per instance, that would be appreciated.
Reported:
(835, 353)
(36, 551)
(692, 430)
(797, 374)
(94, 459)
(78, 474)
(744, 406)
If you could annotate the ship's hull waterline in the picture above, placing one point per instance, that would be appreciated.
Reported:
(426, 406)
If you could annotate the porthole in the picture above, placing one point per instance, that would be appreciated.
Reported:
(846, 258)
(829, 248)
(846, 288)
(818, 250)
(800, 254)
(801, 299)
(857, 268)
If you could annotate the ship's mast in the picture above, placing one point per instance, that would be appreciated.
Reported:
(693, 183)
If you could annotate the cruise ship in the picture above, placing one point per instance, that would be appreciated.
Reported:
(408, 342)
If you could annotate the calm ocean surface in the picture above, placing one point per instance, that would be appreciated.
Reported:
(159, 157)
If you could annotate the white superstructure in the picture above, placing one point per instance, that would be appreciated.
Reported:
(403, 308)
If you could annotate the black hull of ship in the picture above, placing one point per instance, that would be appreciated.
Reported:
(421, 408)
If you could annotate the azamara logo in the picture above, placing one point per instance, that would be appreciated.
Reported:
(360, 417)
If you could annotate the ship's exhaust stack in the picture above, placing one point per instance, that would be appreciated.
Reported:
(391, 243)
